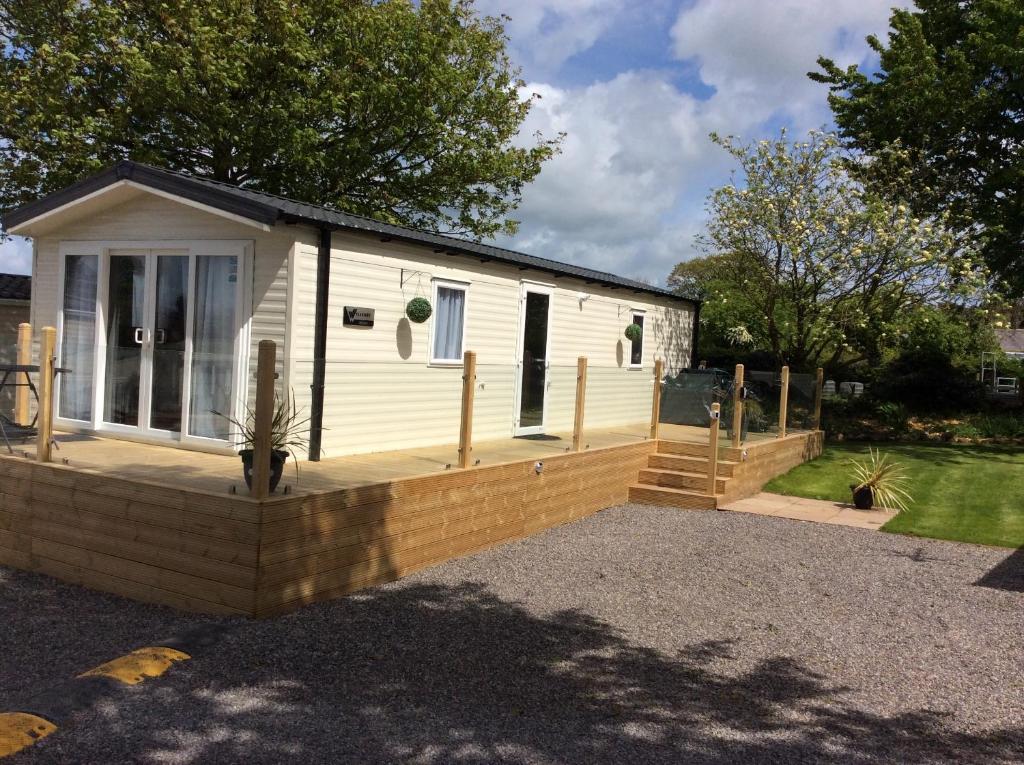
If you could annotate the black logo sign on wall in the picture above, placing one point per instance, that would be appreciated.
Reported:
(358, 317)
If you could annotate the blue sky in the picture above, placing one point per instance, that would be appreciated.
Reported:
(637, 85)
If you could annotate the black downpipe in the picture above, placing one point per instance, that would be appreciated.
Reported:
(695, 338)
(323, 290)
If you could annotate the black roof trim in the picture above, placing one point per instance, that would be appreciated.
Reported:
(268, 209)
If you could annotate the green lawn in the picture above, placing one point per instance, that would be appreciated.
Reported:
(963, 493)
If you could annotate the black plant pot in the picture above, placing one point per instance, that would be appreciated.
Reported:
(863, 498)
(277, 459)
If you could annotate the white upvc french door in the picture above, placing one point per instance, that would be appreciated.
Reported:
(169, 339)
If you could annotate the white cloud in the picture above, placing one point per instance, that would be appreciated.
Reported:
(16, 256)
(626, 194)
(545, 33)
(633, 147)
(756, 54)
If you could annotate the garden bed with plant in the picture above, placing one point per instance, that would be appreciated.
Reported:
(863, 419)
(959, 492)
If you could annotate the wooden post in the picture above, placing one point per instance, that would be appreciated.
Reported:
(468, 389)
(21, 394)
(44, 423)
(783, 402)
(581, 396)
(819, 387)
(737, 407)
(716, 418)
(264, 417)
(659, 372)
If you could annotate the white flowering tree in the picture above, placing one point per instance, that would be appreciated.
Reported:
(827, 268)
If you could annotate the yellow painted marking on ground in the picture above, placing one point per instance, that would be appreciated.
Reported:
(136, 666)
(19, 730)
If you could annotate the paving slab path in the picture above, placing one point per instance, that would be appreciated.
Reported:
(815, 510)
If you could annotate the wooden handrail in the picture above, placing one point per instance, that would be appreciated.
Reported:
(22, 416)
(716, 418)
(581, 396)
(466, 424)
(44, 422)
(784, 402)
(264, 417)
(737, 407)
(819, 387)
(659, 372)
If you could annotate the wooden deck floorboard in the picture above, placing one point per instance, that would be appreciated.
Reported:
(218, 473)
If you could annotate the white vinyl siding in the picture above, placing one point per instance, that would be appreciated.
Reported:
(381, 391)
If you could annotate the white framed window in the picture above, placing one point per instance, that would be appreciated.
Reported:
(448, 334)
(636, 351)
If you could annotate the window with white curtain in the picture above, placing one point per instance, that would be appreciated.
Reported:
(77, 348)
(449, 322)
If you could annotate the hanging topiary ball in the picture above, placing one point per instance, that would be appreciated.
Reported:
(418, 310)
(634, 332)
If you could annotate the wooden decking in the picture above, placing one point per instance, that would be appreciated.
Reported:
(163, 525)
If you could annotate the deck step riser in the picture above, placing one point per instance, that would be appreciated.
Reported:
(687, 464)
(678, 481)
(648, 496)
(683, 448)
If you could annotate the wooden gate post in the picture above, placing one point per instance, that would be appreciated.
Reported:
(737, 407)
(716, 418)
(784, 402)
(581, 397)
(21, 393)
(468, 390)
(659, 372)
(264, 417)
(819, 387)
(44, 423)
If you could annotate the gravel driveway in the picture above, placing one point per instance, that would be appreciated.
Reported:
(638, 635)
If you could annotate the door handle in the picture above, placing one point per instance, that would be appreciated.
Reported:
(138, 335)
(161, 336)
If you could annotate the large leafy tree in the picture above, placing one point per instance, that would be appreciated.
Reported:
(814, 266)
(404, 111)
(947, 108)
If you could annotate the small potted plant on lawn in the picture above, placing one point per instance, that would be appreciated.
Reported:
(288, 432)
(877, 480)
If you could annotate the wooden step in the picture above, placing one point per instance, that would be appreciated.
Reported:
(687, 499)
(684, 448)
(689, 464)
(679, 479)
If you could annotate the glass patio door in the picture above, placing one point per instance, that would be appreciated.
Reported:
(171, 343)
(147, 304)
(533, 361)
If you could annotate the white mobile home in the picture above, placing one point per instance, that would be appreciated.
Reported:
(161, 285)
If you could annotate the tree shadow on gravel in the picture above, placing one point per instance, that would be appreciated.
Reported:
(1006, 575)
(431, 673)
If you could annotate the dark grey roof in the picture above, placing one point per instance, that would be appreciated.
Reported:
(15, 287)
(269, 209)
